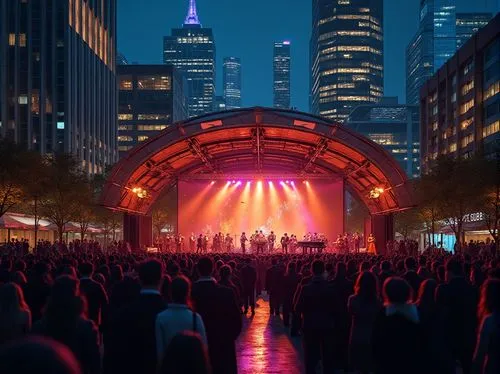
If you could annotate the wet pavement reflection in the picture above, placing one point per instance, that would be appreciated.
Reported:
(265, 346)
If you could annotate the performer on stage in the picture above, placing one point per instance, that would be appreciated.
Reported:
(357, 241)
(371, 244)
(253, 241)
(284, 242)
(243, 240)
(192, 242)
(199, 244)
(261, 242)
(271, 239)
(228, 241)
(205, 243)
(178, 242)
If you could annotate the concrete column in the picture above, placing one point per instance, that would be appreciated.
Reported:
(382, 227)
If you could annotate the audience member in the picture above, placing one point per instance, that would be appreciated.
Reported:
(15, 316)
(186, 353)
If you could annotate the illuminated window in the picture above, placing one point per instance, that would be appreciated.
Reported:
(124, 148)
(12, 40)
(35, 102)
(492, 90)
(154, 83)
(70, 6)
(153, 116)
(151, 127)
(465, 107)
(60, 125)
(125, 138)
(467, 87)
(435, 125)
(125, 127)
(84, 22)
(452, 147)
(22, 99)
(492, 128)
(22, 40)
(383, 139)
(125, 82)
(77, 15)
(467, 140)
(125, 117)
(142, 138)
(466, 123)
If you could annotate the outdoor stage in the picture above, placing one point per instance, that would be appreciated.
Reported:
(246, 146)
(292, 206)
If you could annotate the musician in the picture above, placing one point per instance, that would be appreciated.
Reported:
(284, 242)
(357, 241)
(253, 241)
(228, 241)
(192, 242)
(205, 243)
(271, 239)
(243, 240)
(371, 244)
(260, 241)
(178, 242)
(199, 244)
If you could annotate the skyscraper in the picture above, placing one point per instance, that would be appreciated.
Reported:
(191, 49)
(433, 44)
(281, 75)
(232, 82)
(347, 64)
(150, 99)
(57, 78)
(468, 24)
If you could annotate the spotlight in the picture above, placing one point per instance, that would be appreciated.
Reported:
(376, 192)
(270, 183)
(287, 182)
(212, 183)
(140, 192)
(238, 183)
(282, 183)
(293, 183)
(234, 182)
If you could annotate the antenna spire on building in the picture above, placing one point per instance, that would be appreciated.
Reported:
(192, 15)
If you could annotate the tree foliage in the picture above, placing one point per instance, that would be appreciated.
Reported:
(160, 218)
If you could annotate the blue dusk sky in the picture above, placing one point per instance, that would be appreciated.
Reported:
(248, 28)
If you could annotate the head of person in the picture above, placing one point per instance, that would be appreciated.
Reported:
(116, 273)
(290, 269)
(366, 286)
(19, 278)
(426, 294)
(490, 298)
(453, 269)
(341, 269)
(181, 290)
(385, 266)
(186, 353)
(151, 274)
(274, 261)
(396, 290)
(64, 307)
(225, 272)
(205, 266)
(37, 355)
(86, 269)
(364, 266)
(11, 299)
(317, 268)
(410, 264)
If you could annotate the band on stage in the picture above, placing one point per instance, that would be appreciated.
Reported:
(261, 243)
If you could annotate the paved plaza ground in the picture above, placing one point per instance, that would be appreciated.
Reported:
(265, 346)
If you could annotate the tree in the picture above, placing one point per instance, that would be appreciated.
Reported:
(13, 164)
(461, 187)
(66, 187)
(160, 219)
(491, 202)
(407, 222)
(428, 209)
(110, 221)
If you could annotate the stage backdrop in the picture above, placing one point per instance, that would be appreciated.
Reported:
(233, 207)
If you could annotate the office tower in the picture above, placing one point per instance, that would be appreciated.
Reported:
(150, 99)
(281, 75)
(395, 127)
(191, 49)
(460, 104)
(468, 24)
(57, 78)
(433, 44)
(231, 81)
(347, 64)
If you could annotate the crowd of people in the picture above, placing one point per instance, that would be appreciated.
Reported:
(89, 312)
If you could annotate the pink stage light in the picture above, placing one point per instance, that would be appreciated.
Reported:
(282, 183)
(238, 183)
(212, 183)
(234, 182)
(293, 183)
(270, 183)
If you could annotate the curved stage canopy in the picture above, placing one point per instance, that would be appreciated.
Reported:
(257, 143)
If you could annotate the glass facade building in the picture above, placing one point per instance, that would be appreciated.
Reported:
(460, 104)
(346, 56)
(393, 126)
(468, 24)
(57, 78)
(150, 99)
(281, 75)
(191, 49)
(231, 80)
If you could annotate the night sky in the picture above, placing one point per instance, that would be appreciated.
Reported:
(248, 28)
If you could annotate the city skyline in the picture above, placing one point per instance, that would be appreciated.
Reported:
(237, 35)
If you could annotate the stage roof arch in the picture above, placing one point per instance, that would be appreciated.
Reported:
(256, 143)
